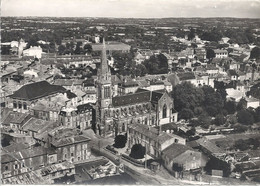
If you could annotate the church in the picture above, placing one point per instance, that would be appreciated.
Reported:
(115, 113)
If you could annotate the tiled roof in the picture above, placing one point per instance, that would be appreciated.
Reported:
(63, 82)
(37, 90)
(152, 133)
(35, 124)
(15, 117)
(69, 141)
(175, 150)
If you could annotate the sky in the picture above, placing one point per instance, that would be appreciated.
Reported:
(132, 8)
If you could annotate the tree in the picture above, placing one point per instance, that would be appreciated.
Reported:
(257, 114)
(137, 151)
(78, 49)
(186, 114)
(187, 96)
(191, 34)
(241, 145)
(245, 117)
(210, 54)
(88, 48)
(255, 53)
(120, 141)
(156, 64)
(254, 91)
(220, 119)
(213, 101)
(61, 49)
(240, 128)
(241, 104)
(230, 106)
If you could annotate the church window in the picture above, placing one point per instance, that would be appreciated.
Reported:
(15, 104)
(164, 111)
(123, 127)
(24, 106)
(106, 92)
(19, 105)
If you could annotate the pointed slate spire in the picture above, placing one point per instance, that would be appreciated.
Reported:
(104, 64)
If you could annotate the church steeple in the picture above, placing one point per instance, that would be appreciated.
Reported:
(104, 65)
(104, 92)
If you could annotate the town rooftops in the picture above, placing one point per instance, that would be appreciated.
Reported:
(186, 76)
(26, 153)
(37, 90)
(218, 51)
(84, 107)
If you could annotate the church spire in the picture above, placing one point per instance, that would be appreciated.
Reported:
(104, 64)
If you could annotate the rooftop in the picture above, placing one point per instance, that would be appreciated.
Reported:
(37, 90)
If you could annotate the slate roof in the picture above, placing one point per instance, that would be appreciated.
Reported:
(37, 90)
(156, 96)
(130, 99)
(140, 96)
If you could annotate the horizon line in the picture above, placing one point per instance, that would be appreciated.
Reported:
(131, 17)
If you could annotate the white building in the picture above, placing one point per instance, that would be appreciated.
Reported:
(33, 51)
(221, 53)
(252, 102)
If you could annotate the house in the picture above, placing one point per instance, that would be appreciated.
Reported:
(179, 155)
(151, 138)
(127, 86)
(69, 144)
(252, 102)
(225, 39)
(200, 54)
(25, 97)
(47, 110)
(35, 127)
(178, 78)
(25, 160)
(14, 120)
(221, 53)
(77, 117)
(212, 70)
(233, 75)
(36, 52)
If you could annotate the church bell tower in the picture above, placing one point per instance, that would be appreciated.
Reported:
(104, 93)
